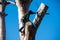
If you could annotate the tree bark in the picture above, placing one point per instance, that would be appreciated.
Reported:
(2, 21)
(30, 28)
(30, 31)
(22, 9)
(3, 4)
(41, 12)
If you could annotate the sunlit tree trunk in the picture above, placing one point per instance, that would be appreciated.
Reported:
(22, 9)
(30, 28)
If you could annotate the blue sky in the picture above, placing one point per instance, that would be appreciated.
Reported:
(49, 28)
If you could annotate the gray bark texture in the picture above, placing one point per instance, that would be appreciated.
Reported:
(23, 6)
(30, 29)
(2, 21)
(3, 4)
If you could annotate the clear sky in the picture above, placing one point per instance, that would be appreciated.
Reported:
(49, 28)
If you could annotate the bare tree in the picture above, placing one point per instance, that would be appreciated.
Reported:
(23, 6)
(30, 28)
(3, 4)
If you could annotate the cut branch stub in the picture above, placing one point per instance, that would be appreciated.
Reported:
(39, 16)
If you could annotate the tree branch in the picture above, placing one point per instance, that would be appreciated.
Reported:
(30, 30)
(39, 16)
(10, 2)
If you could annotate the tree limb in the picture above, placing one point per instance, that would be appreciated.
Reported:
(10, 2)
(39, 16)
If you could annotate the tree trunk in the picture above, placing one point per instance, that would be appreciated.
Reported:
(22, 9)
(30, 28)
(2, 22)
(3, 4)
(30, 31)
